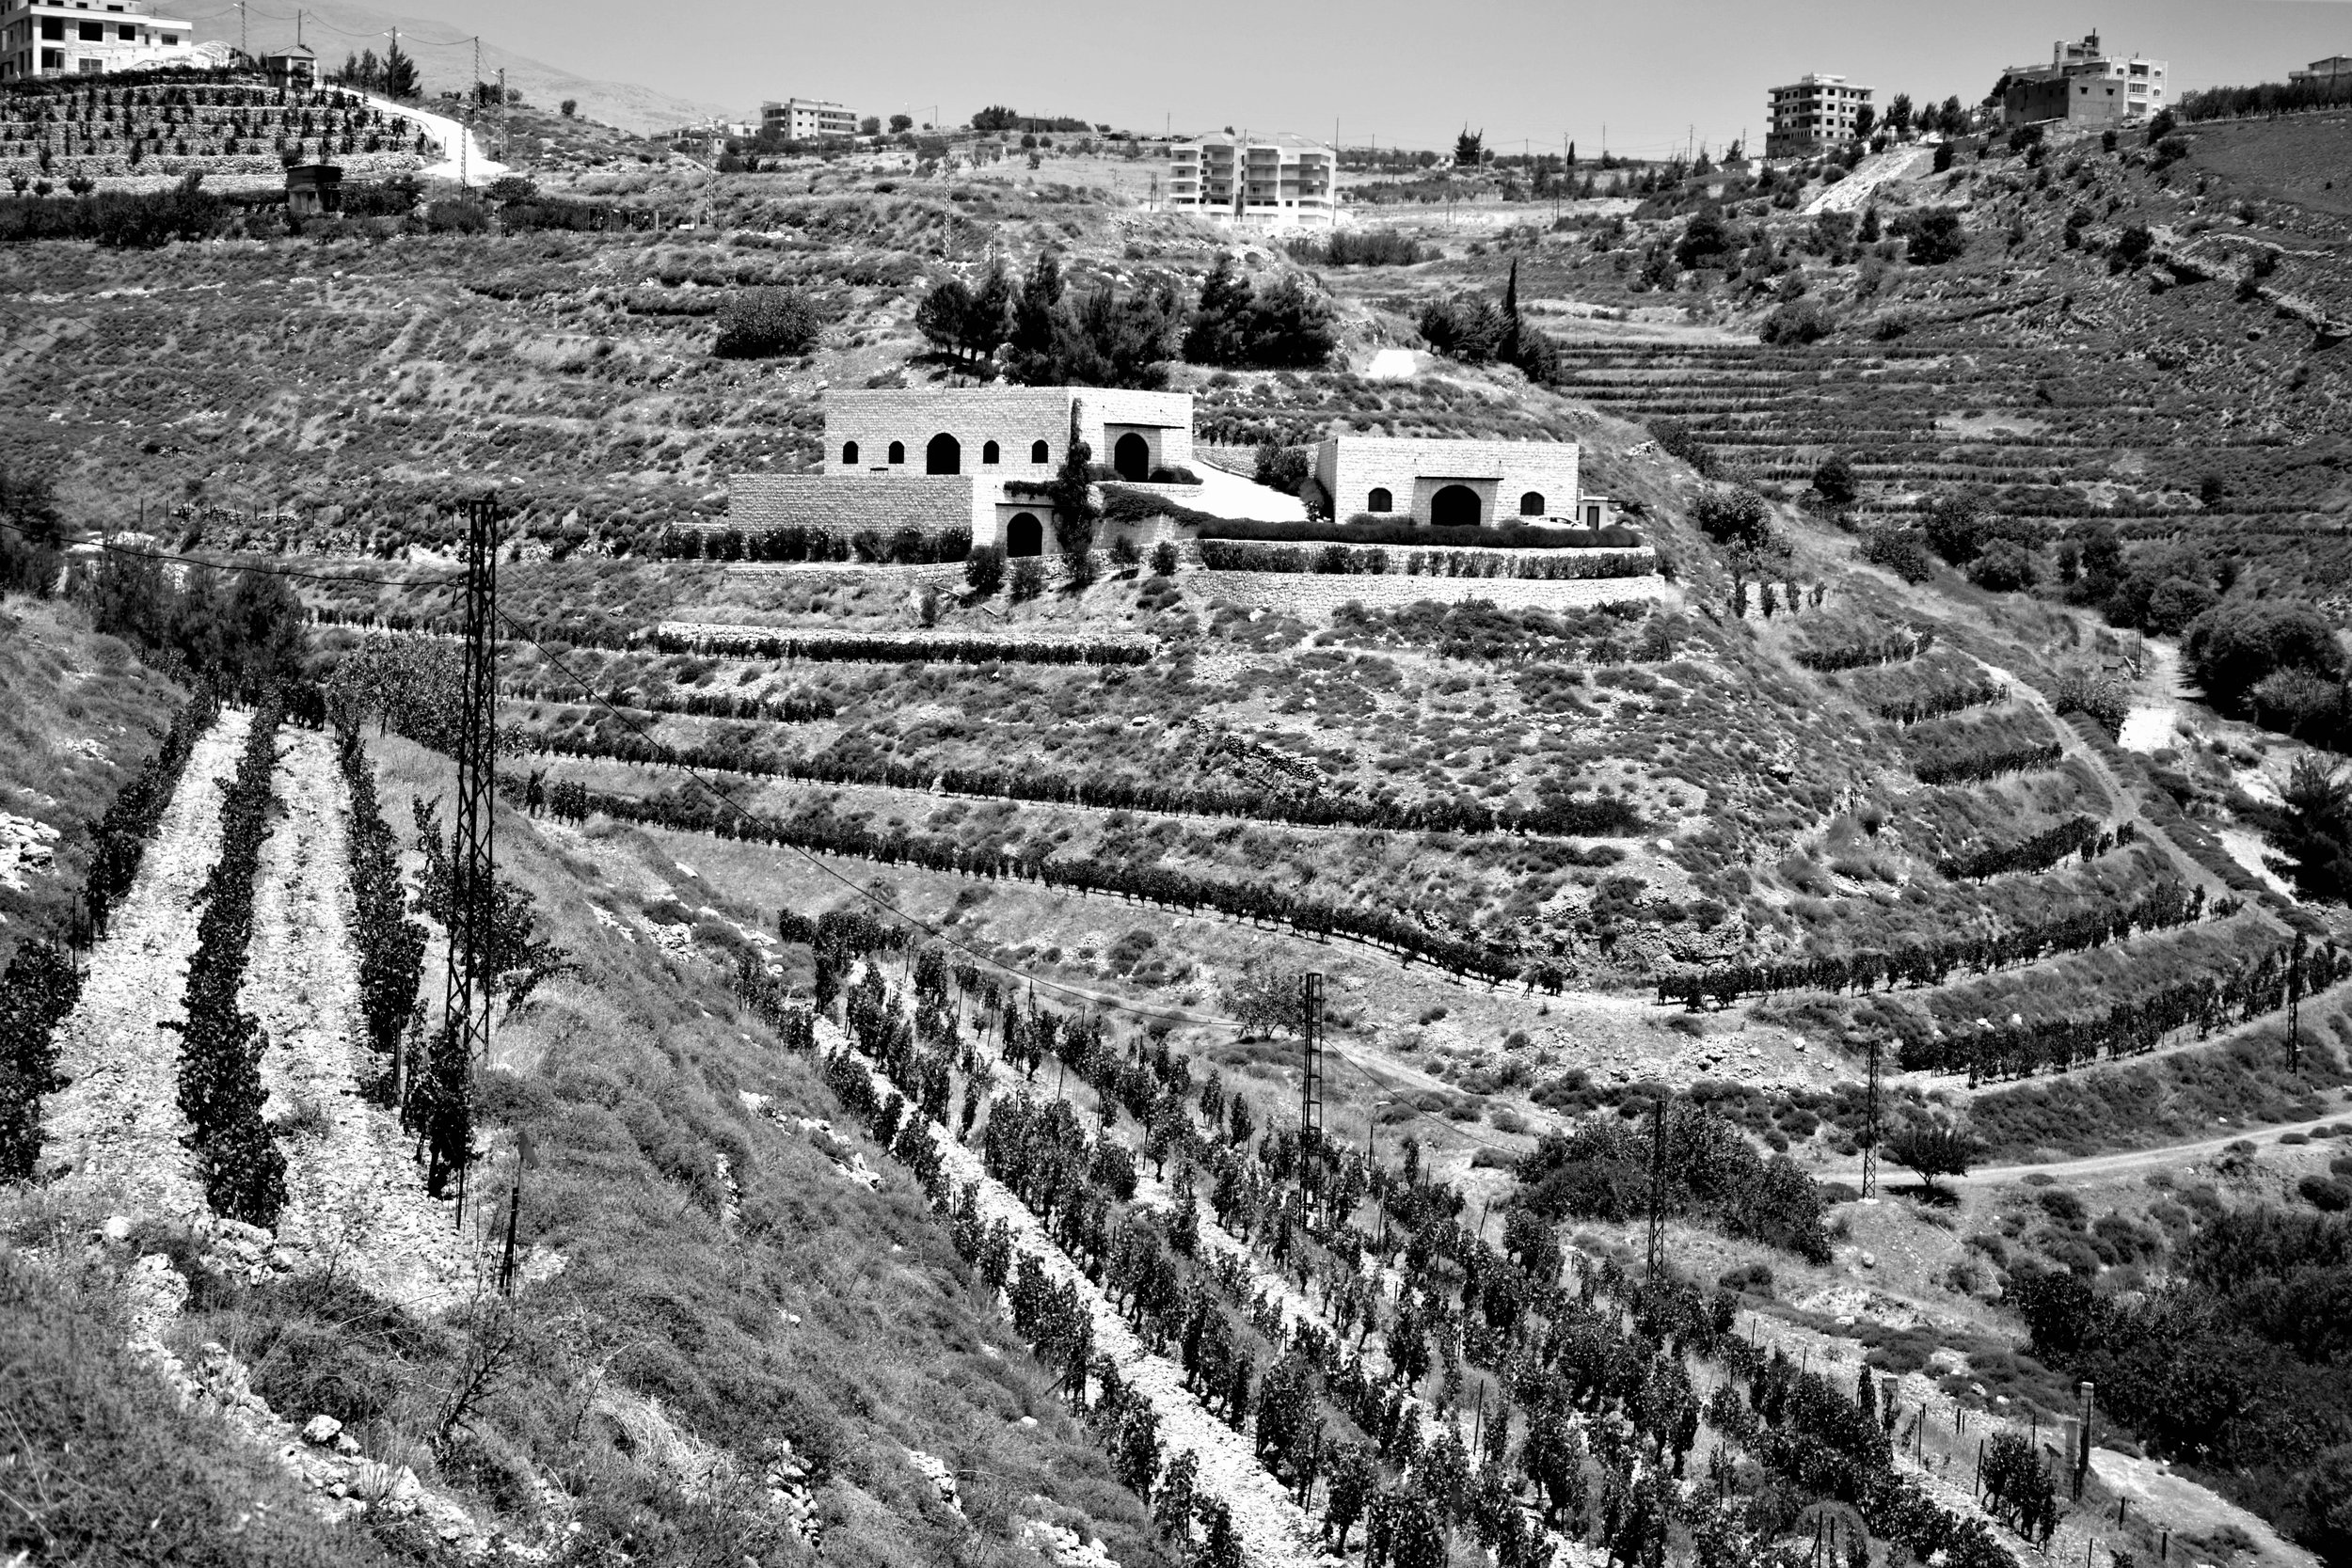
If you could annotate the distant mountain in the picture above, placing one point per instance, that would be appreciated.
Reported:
(335, 29)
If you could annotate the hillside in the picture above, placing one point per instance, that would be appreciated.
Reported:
(903, 1113)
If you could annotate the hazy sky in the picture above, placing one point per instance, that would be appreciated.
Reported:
(1408, 71)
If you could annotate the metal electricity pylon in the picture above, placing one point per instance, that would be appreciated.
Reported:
(1871, 1126)
(1310, 1081)
(464, 1038)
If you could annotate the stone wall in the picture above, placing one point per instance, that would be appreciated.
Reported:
(1317, 596)
(846, 504)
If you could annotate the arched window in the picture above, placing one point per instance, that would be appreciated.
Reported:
(898, 452)
(1532, 504)
(1379, 500)
(1038, 452)
(849, 455)
(987, 452)
(945, 455)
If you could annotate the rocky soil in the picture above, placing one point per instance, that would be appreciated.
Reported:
(354, 1198)
(117, 1124)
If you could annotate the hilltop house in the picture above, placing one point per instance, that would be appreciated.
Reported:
(1447, 483)
(968, 457)
(981, 458)
(2083, 82)
(806, 120)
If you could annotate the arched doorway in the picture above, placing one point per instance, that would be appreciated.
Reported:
(1131, 454)
(1455, 506)
(1025, 535)
(945, 455)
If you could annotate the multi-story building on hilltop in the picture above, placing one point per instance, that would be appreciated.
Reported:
(967, 457)
(1257, 180)
(2327, 73)
(2084, 81)
(89, 37)
(1447, 483)
(806, 120)
(1812, 114)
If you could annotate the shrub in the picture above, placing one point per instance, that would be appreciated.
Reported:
(1676, 439)
(765, 322)
(1900, 550)
(1834, 482)
(2005, 567)
(1029, 577)
(1734, 514)
(984, 570)
(2325, 1194)
(1937, 235)
(2232, 648)
(1956, 525)
(1163, 559)
(1799, 322)
(1282, 467)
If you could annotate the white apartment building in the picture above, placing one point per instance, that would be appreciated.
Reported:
(1272, 181)
(806, 120)
(1811, 113)
(89, 37)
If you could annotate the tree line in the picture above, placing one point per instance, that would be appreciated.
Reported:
(2021, 1047)
(1978, 767)
(1938, 704)
(2164, 907)
(391, 945)
(1561, 816)
(2040, 851)
(824, 835)
(799, 708)
(1894, 648)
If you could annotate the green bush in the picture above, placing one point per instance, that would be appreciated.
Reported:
(2232, 647)
(984, 570)
(1029, 577)
(1937, 235)
(767, 322)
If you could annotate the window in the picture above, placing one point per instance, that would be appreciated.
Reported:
(1038, 452)
(53, 27)
(126, 32)
(90, 67)
(849, 455)
(170, 38)
(898, 452)
(92, 32)
(1379, 500)
(1532, 504)
(52, 59)
(987, 452)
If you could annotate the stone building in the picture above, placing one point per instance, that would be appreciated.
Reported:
(1266, 180)
(1443, 483)
(973, 457)
(2084, 81)
(1812, 114)
(2334, 70)
(89, 37)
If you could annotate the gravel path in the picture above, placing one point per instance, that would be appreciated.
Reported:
(354, 1198)
(118, 1122)
(1274, 1531)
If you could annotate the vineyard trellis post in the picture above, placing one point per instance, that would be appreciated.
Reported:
(464, 1038)
(1309, 1082)
(1657, 1182)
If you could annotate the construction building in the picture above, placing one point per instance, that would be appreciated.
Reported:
(2334, 69)
(89, 38)
(1268, 181)
(806, 120)
(1812, 115)
(2084, 81)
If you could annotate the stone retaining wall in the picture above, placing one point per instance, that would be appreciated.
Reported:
(1314, 594)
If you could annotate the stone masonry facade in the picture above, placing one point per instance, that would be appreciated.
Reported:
(1434, 481)
(1028, 426)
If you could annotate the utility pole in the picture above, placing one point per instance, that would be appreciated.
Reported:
(1309, 1079)
(1657, 1182)
(1871, 1126)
